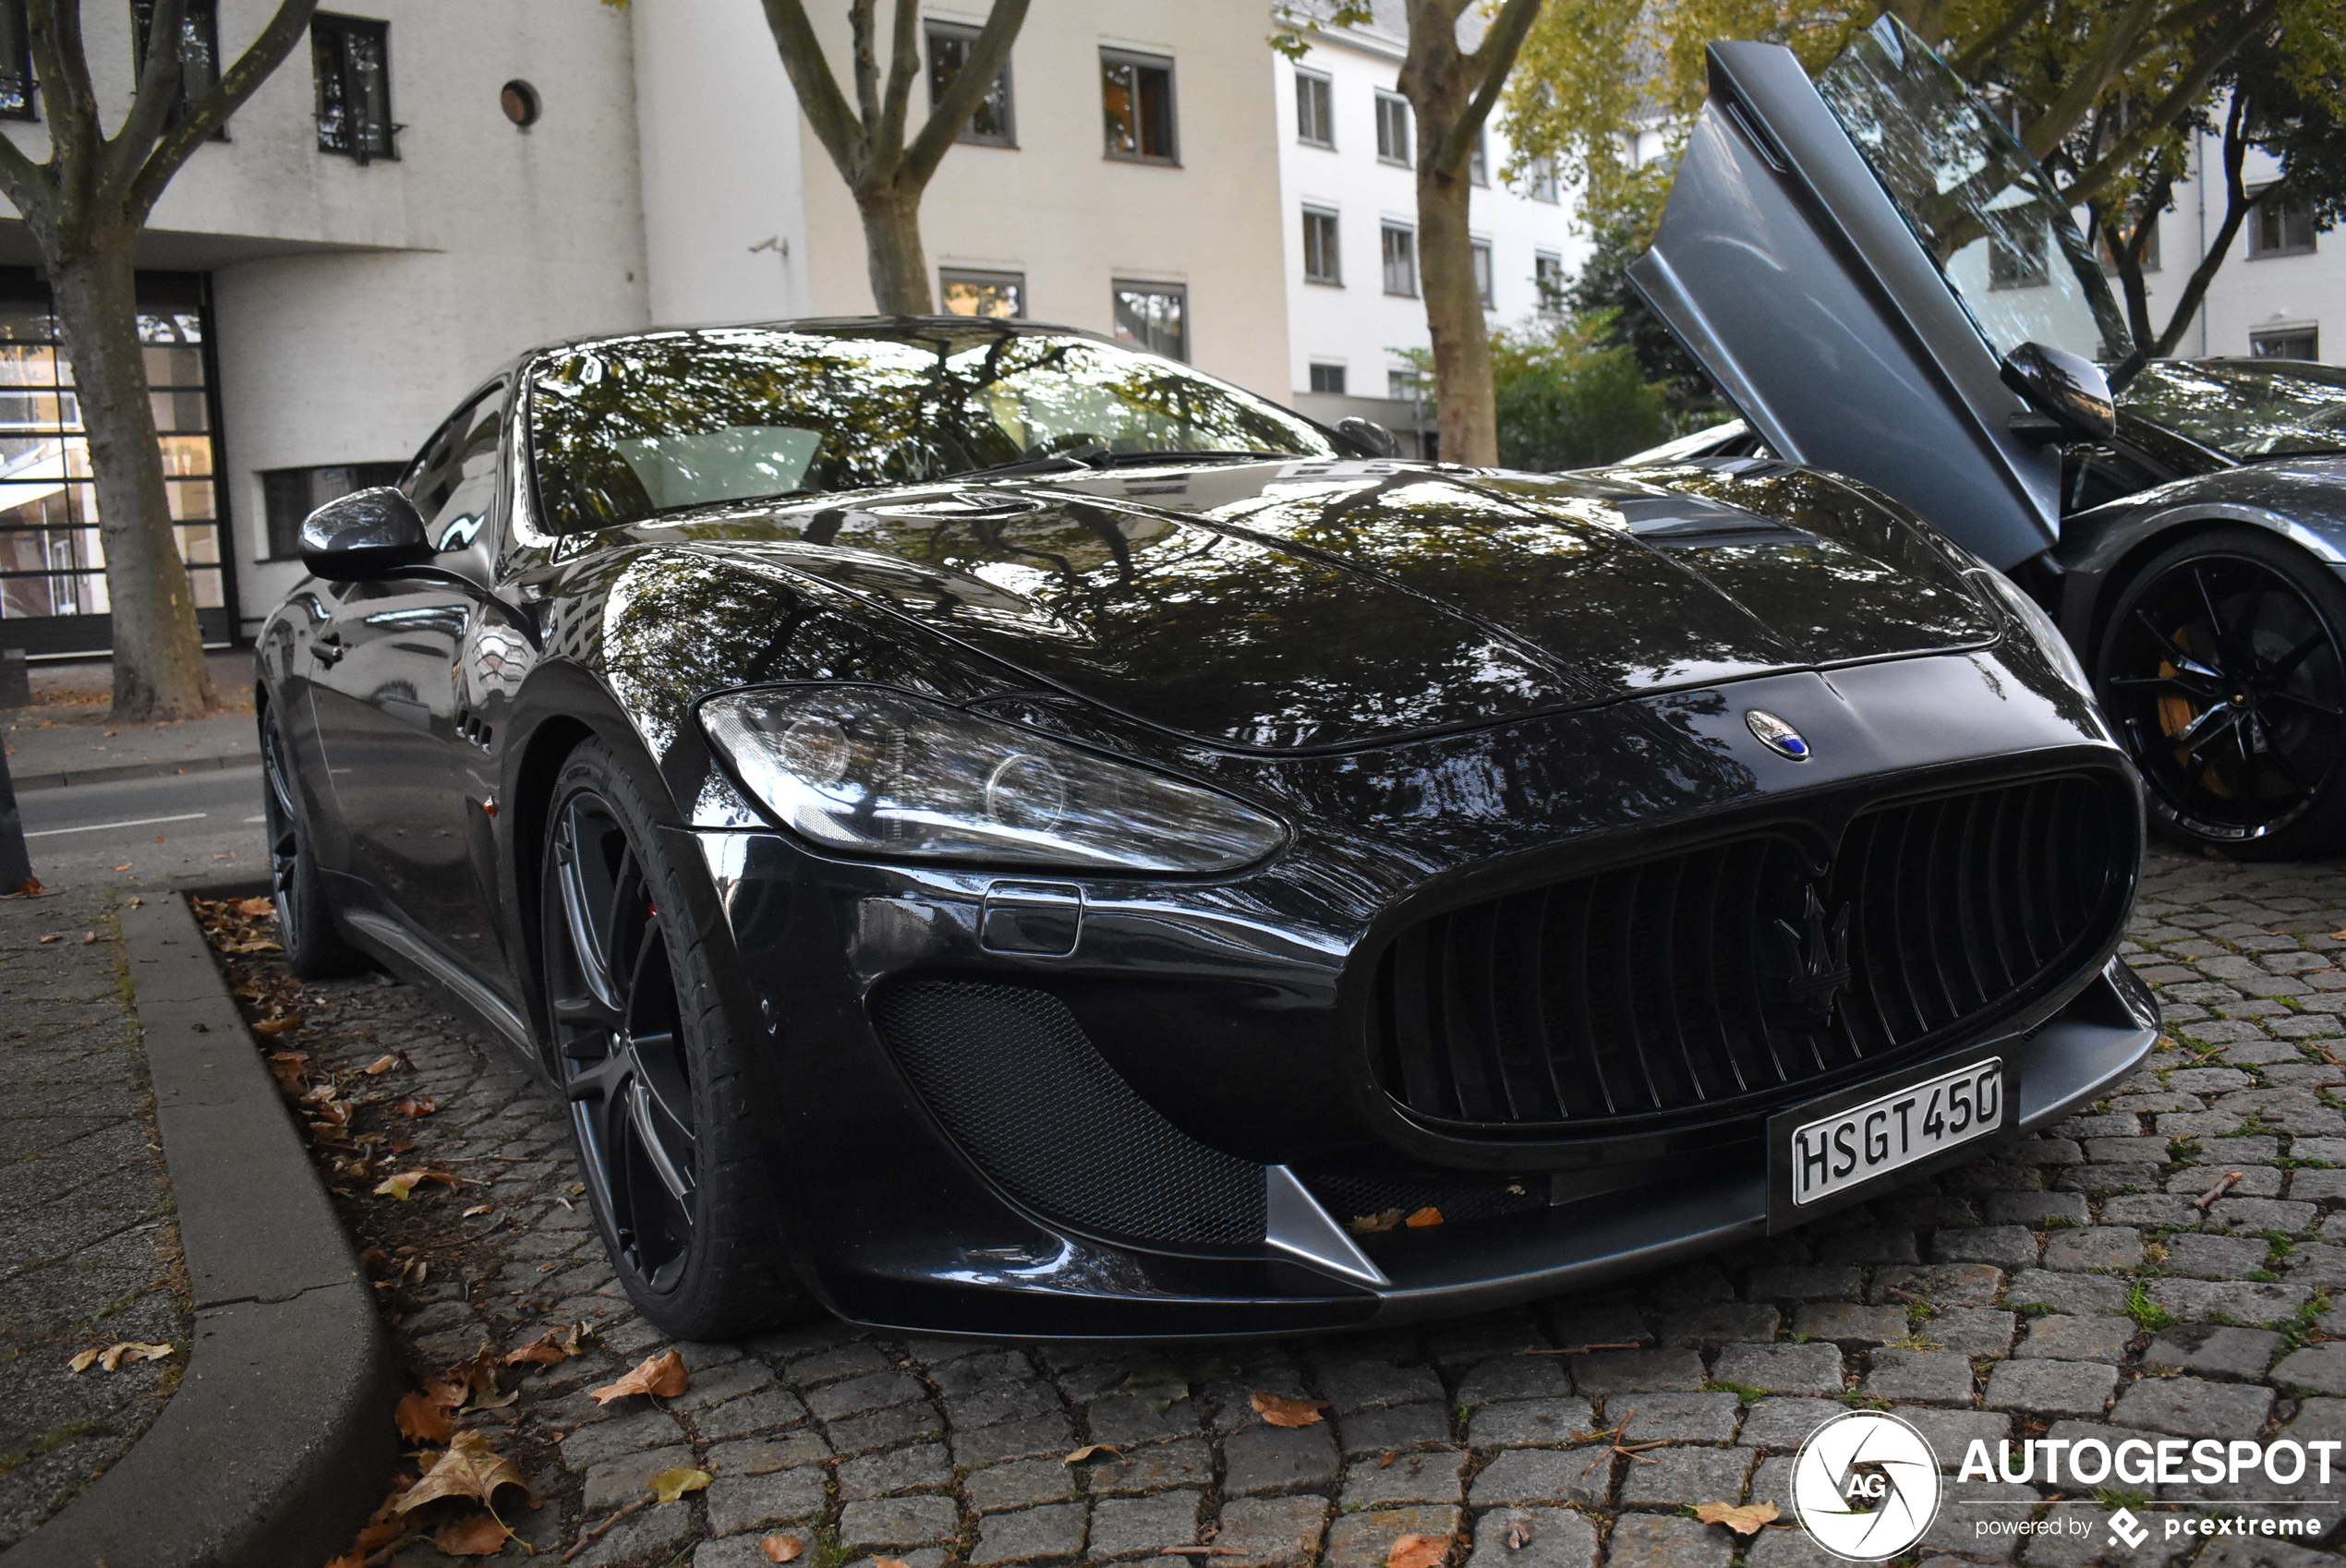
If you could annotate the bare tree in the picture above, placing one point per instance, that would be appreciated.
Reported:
(1451, 90)
(84, 207)
(886, 174)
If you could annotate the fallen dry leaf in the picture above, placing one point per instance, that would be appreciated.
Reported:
(887, 1562)
(422, 1418)
(88, 938)
(1519, 1534)
(1278, 1412)
(404, 1185)
(418, 1106)
(1417, 1551)
(1092, 1451)
(259, 909)
(1424, 1217)
(477, 1210)
(276, 1025)
(467, 1467)
(381, 1066)
(290, 1068)
(1375, 1224)
(112, 1357)
(46, 940)
(780, 1549)
(483, 1535)
(662, 1375)
(1743, 1520)
(669, 1485)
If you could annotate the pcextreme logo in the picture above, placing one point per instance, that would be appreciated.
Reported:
(1865, 1485)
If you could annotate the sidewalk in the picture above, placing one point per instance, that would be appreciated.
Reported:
(66, 738)
(89, 1248)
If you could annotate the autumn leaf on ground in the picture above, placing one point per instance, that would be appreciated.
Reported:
(1743, 1520)
(1092, 1451)
(418, 1105)
(289, 1069)
(423, 1418)
(112, 1357)
(1424, 1217)
(404, 1185)
(1417, 1551)
(476, 1211)
(663, 1376)
(1372, 1224)
(476, 1373)
(468, 1467)
(1280, 1412)
(381, 1066)
(276, 1025)
(88, 938)
(259, 909)
(669, 1485)
(546, 1350)
(887, 1562)
(483, 1535)
(782, 1549)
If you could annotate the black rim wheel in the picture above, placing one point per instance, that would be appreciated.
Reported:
(2230, 685)
(618, 1045)
(284, 823)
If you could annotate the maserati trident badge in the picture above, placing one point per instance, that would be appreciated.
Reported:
(1775, 734)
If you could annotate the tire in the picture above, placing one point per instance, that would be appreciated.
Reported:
(313, 942)
(671, 1121)
(2223, 666)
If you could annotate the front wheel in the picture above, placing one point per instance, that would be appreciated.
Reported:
(673, 1126)
(2223, 665)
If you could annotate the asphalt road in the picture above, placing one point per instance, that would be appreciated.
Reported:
(183, 827)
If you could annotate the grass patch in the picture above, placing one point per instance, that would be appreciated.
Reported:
(2147, 1314)
(56, 1436)
(1745, 1392)
(2112, 1498)
(2301, 1326)
(2036, 1309)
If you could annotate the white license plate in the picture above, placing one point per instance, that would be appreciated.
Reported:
(1834, 1153)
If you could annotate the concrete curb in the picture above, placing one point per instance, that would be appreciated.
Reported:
(279, 1441)
(137, 770)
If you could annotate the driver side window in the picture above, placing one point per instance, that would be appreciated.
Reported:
(454, 480)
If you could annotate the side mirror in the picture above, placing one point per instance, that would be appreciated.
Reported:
(2070, 391)
(367, 534)
(1368, 435)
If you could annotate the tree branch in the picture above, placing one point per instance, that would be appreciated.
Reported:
(206, 115)
(1489, 66)
(2091, 80)
(861, 16)
(904, 68)
(2178, 100)
(162, 71)
(1983, 49)
(69, 107)
(988, 53)
(819, 97)
(31, 187)
(2238, 205)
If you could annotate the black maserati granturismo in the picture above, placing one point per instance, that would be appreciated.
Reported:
(995, 832)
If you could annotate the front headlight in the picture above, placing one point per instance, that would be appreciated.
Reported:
(2031, 614)
(865, 770)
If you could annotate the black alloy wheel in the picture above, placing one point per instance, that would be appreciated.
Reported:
(314, 946)
(2223, 666)
(678, 1182)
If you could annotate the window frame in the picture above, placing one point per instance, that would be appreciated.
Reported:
(1136, 63)
(1540, 182)
(341, 26)
(1331, 248)
(1479, 159)
(1387, 230)
(1395, 121)
(1319, 86)
(983, 277)
(1314, 374)
(27, 106)
(1487, 272)
(203, 18)
(1545, 264)
(2311, 332)
(932, 28)
(1117, 287)
(2280, 212)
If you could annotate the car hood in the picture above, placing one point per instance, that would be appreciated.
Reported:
(1301, 606)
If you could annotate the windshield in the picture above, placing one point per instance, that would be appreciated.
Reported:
(2241, 408)
(1981, 207)
(634, 427)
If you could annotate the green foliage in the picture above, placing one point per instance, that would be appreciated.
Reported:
(1743, 1392)
(2111, 1498)
(2038, 1308)
(2147, 1314)
(1567, 398)
(2297, 1330)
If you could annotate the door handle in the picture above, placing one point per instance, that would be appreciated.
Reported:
(328, 649)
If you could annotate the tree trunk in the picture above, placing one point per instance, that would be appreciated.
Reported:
(159, 670)
(1464, 399)
(892, 249)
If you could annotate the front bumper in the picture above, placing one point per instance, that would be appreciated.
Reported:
(1206, 1042)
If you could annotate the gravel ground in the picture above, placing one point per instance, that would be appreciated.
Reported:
(2063, 1287)
(89, 1253)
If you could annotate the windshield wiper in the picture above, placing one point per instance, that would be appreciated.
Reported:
(2296, 451)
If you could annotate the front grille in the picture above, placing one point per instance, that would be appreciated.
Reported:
(1731, 975)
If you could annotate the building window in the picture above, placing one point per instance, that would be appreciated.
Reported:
(948, 50)
(1405, 386)
(1155, 317)
(2281, 228)
(1328, 379)
(1392, 128)
(1479, 161)
(1314, 110)
(1400, 244)
(288, 495)
(1483, 284)
(15, 62)
(1547, 276)
(1136, 95)
(353, 59)
(2016, 257)
(199, 51)
(1320, 261)
(2287, 343)
(1540, 180)
(982, 293)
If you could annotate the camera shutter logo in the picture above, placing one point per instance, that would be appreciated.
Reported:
(1865, 1485)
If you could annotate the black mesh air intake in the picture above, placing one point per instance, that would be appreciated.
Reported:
(1737, 976)
(1009, 1071)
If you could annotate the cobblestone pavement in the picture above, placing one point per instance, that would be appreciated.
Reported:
(2060, 1287)
(88, 1254)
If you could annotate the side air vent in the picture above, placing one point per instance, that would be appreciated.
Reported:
(1009, 1072)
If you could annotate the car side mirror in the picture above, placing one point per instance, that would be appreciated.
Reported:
(364, 535)
(2068, 391)
(1368, 435)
